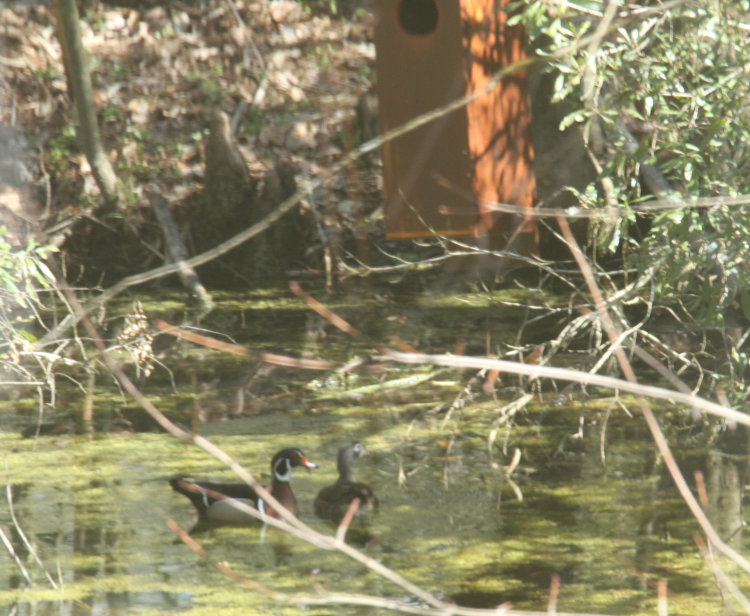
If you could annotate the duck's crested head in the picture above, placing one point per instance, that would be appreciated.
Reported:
(286, 459)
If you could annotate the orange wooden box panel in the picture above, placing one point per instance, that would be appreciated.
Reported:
(446, 175)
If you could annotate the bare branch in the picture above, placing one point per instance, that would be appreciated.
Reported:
(23, 536)
(566, 374)
(12, 552)
(347, 520)
(226, 347)
(648, 414)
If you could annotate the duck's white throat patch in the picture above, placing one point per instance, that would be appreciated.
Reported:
(283, 470)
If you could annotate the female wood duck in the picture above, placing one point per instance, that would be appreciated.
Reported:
(333, 501)
(215, 502)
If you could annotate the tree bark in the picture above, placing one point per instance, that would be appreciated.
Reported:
(79, 82)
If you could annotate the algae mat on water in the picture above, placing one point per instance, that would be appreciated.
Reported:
(93, 510)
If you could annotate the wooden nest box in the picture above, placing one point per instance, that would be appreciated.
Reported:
(444, 176)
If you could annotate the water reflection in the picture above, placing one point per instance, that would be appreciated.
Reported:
(92, 510)
(106, 604)
(726, 475)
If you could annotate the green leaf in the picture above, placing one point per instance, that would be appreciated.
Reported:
(576, 117)
(28, 336)
(687, 172)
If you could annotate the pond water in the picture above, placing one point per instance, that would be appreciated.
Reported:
(589, 499)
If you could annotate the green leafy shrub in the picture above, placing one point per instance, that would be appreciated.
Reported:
(664, 87)
(23, 274)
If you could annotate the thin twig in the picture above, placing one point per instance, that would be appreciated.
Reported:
(554, 592)
(12, 552)
(347, 520)
(654, 205)
(661, 598)
(324, 312)
(566, 374)
(19, 530)
(648, 414)
(722, 579)
(226, 347)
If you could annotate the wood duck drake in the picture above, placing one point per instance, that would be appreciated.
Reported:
(333, 501)
(215, 502)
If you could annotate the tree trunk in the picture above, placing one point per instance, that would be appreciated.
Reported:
(79, 82)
